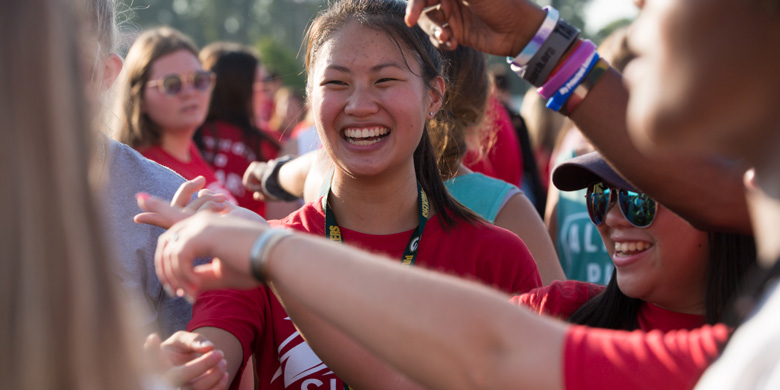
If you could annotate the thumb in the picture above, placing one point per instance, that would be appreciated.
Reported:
(187, 342)
(186, 190)
(152, 342)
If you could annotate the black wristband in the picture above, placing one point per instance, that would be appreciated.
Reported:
(546, 59)
(270, 180)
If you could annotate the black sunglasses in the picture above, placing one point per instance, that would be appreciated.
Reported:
(638, 208)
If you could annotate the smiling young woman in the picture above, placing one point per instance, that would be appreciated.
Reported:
(372, 108)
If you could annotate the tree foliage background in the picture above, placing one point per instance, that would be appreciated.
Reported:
(274, 27)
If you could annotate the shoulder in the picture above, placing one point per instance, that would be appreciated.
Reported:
(308, 218)
(560, 298)
(128, 169)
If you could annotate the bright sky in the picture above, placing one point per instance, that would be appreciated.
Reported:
(599, 13)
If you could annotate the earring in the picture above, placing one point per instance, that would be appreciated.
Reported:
(432, 114)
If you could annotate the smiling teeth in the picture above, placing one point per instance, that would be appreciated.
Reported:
(636, 246)
(366, 133)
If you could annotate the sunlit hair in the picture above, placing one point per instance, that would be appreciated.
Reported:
(232, 99)
(387, 16)
(465, 104)
(134, 127)
(63, 324)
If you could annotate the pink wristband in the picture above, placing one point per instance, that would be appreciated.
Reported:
(568, 69)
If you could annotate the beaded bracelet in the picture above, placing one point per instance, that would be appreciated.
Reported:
(530, 50)
(573, 63)
(258, 255)
(581, 91)
(556, 102)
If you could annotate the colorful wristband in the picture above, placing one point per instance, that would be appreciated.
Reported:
(530, 50)
(545, 60)
(581, 92)
(258, 256)
(556, 102)
(573, 63)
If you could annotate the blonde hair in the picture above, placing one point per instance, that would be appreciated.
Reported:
(134, 127)
(63, 322)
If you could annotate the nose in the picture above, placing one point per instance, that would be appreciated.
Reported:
(615, 217)
(361, 102)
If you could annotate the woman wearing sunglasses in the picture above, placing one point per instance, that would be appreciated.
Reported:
(164, 98)
(667, 275)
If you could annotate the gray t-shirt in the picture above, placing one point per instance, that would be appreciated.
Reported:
(124, 174)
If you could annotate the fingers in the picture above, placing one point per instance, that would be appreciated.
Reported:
(157, 211)
(415, 8)
(186, 190)
(434, 22)
(253, 175)
(207, 200)
(187, 342)
(205, 372)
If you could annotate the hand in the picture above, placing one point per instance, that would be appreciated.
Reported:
(500, 27)
(189, 361)
(183, 206)
(227, 238)
(253, 180)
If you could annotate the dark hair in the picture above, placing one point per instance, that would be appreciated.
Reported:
(387, 16)
(730, 257)
(135, 127)
(232, 97)
(464, 106)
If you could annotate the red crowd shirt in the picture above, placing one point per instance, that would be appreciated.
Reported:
(283, 360)
(188, 170)
(228, 154)
(504, 160)
(670, 351)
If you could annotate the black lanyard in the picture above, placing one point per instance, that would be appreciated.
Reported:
(333, 232)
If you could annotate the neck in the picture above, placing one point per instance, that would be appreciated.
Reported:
(372, 205)
(177, 144)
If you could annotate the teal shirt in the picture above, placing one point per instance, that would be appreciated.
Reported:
(481, 194)
(580, 248)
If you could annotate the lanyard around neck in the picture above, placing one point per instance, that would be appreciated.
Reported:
(333, 232)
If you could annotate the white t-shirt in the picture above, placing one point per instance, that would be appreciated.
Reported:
(752, 356)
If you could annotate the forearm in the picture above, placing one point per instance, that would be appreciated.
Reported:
(348, 359)
(440, 331)
(705, 185)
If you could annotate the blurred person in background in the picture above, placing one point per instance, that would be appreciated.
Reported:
(163, 98)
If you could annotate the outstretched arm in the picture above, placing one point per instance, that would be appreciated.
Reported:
(442, 332)
(504, 27)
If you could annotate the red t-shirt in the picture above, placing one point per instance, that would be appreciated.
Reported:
(188, 170)
(670, 352)
(486, 253)
(504, 160)
(229, 155)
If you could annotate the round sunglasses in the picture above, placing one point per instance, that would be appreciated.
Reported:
(638, 208)
(172, 84)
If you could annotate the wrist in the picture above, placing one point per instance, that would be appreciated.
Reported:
(526, 27)
(260, 253)
(270, 184)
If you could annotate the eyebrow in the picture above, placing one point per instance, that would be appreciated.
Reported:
(375, 68)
